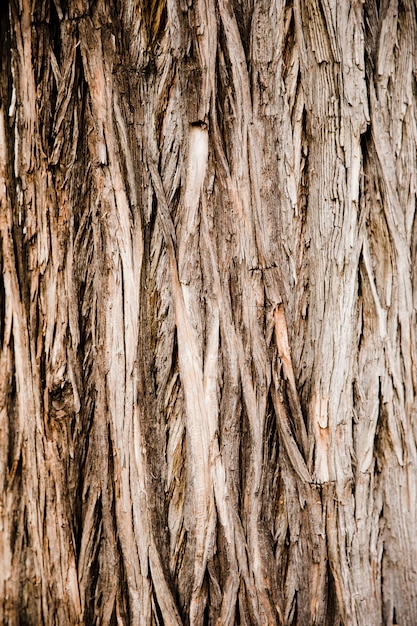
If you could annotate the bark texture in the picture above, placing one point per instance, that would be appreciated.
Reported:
(208, 297)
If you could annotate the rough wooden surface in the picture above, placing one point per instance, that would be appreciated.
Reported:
(208, 299)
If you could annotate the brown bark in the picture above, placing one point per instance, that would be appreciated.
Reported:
(208, 244)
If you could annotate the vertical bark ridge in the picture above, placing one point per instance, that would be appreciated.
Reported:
(121, 327)
(47, 397)
(388, 228)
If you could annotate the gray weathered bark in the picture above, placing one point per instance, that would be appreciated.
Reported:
(208, 298)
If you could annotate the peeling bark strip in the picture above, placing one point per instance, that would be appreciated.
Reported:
(208, 295)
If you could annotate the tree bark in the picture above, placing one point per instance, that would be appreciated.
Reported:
(208, 297)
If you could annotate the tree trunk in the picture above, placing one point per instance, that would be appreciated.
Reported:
(208, 360)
